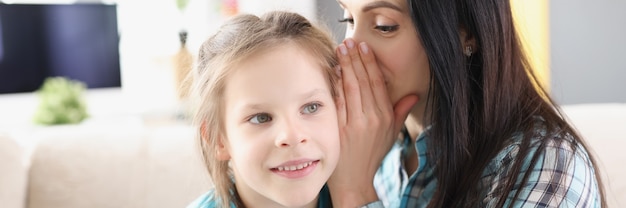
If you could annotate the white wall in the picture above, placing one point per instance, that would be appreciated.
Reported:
(329, 13)
(148, 42)
(149, 39)
(304, 7)
(588, 51)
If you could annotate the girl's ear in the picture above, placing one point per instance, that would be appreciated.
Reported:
(221, 150)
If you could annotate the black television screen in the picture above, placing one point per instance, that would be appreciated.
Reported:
(77, 41)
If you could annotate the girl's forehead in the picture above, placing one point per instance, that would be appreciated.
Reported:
(278, 77)
(270, 49)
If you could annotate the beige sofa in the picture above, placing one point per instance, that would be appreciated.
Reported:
(115, 166)
(13, 173)
(129, 164)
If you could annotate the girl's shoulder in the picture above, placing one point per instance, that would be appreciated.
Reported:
(206, 200)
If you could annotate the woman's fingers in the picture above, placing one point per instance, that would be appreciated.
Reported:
(367, 118)
(340, 100)
(367, 98)
(375, 79)
(351, 88)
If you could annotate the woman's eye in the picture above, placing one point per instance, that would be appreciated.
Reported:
(347, 20)
(260, 118)
(386, 28)
(311, 108)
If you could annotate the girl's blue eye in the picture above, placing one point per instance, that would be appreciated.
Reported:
(387, 28)
(260, 118)
(311, 108)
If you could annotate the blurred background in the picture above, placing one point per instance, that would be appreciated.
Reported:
(576, 45)
(136, 147)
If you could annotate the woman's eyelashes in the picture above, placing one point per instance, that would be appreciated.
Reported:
(348, 20)
(384, 29)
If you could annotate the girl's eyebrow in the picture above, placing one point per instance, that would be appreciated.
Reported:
(253, 106)
(303, 96)
(313, 93)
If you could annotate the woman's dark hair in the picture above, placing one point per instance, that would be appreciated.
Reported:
(479, 102)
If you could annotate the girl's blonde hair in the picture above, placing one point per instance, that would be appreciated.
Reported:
(236, 40)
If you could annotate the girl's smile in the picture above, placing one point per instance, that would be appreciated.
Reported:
(296, 168)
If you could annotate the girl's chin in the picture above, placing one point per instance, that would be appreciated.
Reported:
(297, 201)
(298, 194)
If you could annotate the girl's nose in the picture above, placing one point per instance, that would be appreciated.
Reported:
(290, 135)
(290, 141)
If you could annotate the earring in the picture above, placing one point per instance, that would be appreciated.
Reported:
(468, 51)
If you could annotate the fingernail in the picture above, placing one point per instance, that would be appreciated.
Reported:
(338, 70)
(363, 47)
(343, 49)
(350, 43)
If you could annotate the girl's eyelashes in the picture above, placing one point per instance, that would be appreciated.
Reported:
(260, 118)
(311, 108)
(386, 28)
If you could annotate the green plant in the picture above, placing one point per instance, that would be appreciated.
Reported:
(182, 4)
(60, 102)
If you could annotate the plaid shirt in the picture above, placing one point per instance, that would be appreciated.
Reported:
(556, 180)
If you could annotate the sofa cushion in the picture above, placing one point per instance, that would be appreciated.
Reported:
(115, 166)
(74, 166)
(13, 173)
(175, 170)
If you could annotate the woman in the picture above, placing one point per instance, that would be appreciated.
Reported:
(483, 133)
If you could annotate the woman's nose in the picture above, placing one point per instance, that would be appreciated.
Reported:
(355, 34)
(349, 33)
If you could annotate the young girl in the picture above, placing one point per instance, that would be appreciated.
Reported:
(266, 116)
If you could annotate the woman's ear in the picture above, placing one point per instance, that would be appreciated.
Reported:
(468, 42)
(221, 150)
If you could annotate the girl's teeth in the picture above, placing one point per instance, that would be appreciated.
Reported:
(294, 167)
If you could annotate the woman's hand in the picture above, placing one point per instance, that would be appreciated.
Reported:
(368, 125)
